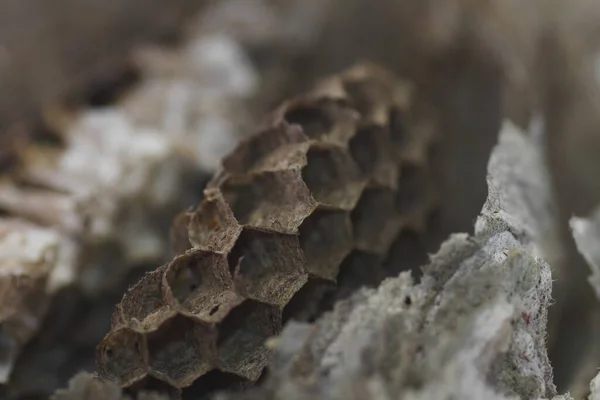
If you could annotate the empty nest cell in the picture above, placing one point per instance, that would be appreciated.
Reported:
(143, 307)
(120, 357)
(181, 350)
(278, 148)
(268, 267)
(322, 119)
(326, 239)
(372, 150)
(242, 337)
(333, 177)
(198, 283)
(213, 227)
(276, 201)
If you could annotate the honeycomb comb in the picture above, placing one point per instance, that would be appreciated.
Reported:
(314, 199)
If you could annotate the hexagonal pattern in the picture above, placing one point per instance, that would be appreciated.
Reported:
(242, 337)
(213, 227)
(181, 350)
(301, 214)
(326, 239)
(121, 357)
(371, 149)
(322, 118)
(273, 200)
(332, 177)
(268, 267)
(198, 283)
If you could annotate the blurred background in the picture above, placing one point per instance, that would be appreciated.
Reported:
(113, 114)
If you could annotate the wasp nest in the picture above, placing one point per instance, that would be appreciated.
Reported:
(323, 190)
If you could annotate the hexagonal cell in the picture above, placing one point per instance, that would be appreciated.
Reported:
(326, 239)
(375, 221)
(119, 357)
(323, 119)
(372, 150)
(314, 120)
(199, 283)
(242, 337)
(212, 226)
(276, 201)
(181, 350)
(332, 177)
(306, 305)
(143, 307)
(281, 147)
(269, 267)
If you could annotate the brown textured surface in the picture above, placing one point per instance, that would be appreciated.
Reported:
(316, 198)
